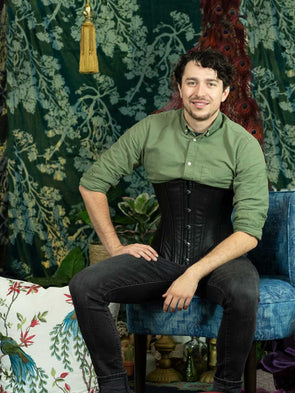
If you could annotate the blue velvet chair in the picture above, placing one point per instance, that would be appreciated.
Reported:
(274, 258)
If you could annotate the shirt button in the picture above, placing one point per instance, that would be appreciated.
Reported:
(195, 139)
(188, 192)
(188, 210)
(188, 227)
(189, 163)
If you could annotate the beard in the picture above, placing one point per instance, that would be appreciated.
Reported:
(200, 117)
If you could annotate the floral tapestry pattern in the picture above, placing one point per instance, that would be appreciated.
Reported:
(271, 37)
(60, 120)
(3, 134)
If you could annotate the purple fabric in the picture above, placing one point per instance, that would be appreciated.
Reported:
(260, 390)
(281, 363)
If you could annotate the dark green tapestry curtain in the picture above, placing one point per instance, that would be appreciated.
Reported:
(271, 44)
(59, 120)
(3, 136)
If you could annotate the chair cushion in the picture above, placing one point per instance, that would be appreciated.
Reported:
(275, 316)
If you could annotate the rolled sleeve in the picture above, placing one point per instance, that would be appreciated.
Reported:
(250, 190)
(119, 160)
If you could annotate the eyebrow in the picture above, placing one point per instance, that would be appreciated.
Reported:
(207, 80)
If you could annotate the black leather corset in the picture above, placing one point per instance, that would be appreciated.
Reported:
(195, 218)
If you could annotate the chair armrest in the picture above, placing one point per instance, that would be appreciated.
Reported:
(275, 253)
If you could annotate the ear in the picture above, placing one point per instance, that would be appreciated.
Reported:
(225, 93)
(179, 89)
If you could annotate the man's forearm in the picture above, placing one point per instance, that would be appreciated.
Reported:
(181, 291)
(99, 213)
(232, 247)
(98, 209)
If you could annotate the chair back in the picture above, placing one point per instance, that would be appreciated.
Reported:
(275, 253)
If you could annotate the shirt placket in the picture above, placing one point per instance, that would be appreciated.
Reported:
(192, 169)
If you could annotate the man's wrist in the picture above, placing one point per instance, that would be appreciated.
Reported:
(194, 271)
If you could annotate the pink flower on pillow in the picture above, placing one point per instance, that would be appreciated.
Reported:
(69, 298)
(33, 288)
(25, 339)
(16, 287)
(34, 322)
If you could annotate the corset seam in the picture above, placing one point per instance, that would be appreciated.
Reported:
(195, 218)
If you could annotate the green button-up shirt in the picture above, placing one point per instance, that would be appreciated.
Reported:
(225, 156)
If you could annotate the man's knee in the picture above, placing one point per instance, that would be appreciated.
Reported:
(243, 296)
(75, 285)
(241, 288)
(83, 284)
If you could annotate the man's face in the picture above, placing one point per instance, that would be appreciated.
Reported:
(202, 93)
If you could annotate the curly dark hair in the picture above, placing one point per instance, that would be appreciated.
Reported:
(209, 58)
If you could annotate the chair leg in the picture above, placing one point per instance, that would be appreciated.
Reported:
(140, 347)
(250, 370)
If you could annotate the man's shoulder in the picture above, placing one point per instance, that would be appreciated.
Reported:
(155, 123)
(159, 121)
(236, 130)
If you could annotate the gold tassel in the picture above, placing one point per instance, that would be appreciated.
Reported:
(88, 56)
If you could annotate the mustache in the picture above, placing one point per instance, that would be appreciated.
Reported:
(201, 99)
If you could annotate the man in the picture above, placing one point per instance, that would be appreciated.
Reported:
(202, 165)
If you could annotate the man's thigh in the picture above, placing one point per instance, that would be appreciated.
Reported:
(236, 278)
(126, 279)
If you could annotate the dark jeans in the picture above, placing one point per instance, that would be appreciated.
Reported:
(126, 279)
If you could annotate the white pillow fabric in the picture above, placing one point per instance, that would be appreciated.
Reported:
(41, 347)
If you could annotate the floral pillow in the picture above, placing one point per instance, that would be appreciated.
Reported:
(41, 347)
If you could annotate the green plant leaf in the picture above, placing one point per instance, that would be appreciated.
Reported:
(85, 217)
(126, 208)
(141, 203)
(51, 281)
(123, 220)
(71, 264)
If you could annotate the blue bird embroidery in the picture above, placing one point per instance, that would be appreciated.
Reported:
(70, 323)
(22, 364)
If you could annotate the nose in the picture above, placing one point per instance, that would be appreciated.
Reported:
(200, 89)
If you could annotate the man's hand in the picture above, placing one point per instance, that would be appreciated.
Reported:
(137, 250)
(99, 213)
(180, 292)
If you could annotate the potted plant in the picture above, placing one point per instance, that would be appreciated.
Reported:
(139, 219)
(127, 347)
(128, 359)
(135, 222)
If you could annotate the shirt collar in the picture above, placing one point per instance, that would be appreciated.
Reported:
(217, 124)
